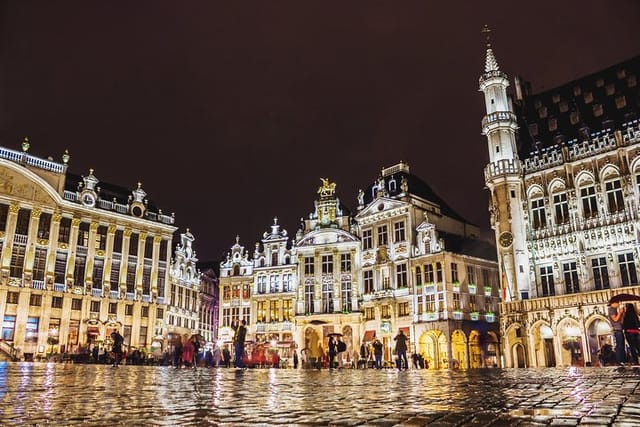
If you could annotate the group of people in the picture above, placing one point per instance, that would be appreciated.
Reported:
(626, 333)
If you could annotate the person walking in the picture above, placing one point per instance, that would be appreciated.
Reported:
(333, 350)
(295, 359)
(188, 352)
(226, 357)
(118, 340)
(240, 336)
(401, 350)
(616, 315)
(631, 327)
(377, 353)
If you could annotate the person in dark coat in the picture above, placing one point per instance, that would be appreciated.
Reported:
(295, 359)
(240, 336)
(401, 350)
(333, 350)
(118, 340)
(631, 326)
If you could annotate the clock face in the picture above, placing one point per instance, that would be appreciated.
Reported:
(505, 239)
(88, 199)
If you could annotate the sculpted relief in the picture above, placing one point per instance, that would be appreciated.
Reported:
(22, 188)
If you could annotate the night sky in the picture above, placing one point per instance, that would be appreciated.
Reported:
(230, 112)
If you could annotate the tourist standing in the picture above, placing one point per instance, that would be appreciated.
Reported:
(118, 340)
(333, 350)
(295, 359)
(377, 353)
(631, 327)
(240, 336)
(616, 315)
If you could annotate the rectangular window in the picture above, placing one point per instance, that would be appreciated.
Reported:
(561, 208)
(101, 238)
(131, 276)
(17, 261)
(327, 297)
(128, 310)
(538, 216)
(308, 297)
(143, 336)
(22, 223)
(286, 283)
(246, 293)
(571, 283)
(83, 234)
(401, 276)
(429, 276)
(274, 310)
(4, 213)
(430, 300)
(383, 238)
(262, 287)
(615, 201)
(398, 231)
(438, 272)
(94, 307)
(287, 310)
(627, 269)
(98, 264)
(345, 263)
(368, 281)
(148, 247)
(420, 300)
(35, 300)
(367, 241)
(471, 274)
(273, 283)
(456, 301)
(76, 304)
(309, 266)
(346, 294)
(79, 271)
(403, 309)
(473, 303)
(56, 302)
(600, 273)
(133, 244)
(454, 272)
(39, 263)
(144, 311)
(369, 313)
(589, 202)
(115, 272)
(31, 330)
(64, 231)
(486, 280)
(546, 280)
(261, 314)
(146, 278)
(386, 312)
(118, 241)
(161, 281)
(327, 264)
(159, 313)
(12, 297)
(44, 225)
(8, 327)
(418, 276)
(113, 308)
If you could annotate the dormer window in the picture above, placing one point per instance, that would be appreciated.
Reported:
(392, 185)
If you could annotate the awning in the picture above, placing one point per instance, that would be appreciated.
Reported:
(405, 330)
(369, 336)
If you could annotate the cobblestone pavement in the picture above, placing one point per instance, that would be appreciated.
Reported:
(39, 394)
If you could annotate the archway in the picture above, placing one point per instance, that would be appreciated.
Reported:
(458, 350)
(571, 352)
(475, 350)
(544, 345)
(347, 337)
(599, 335)
(519, 357)
(429, 348)
(312, 345)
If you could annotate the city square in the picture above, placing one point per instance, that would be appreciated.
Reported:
(39, 394)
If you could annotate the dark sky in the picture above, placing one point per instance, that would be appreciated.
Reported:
(230, 112)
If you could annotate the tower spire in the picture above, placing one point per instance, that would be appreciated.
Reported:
(491, 64)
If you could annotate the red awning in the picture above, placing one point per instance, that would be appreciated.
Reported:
(405, 330)
(369, 336)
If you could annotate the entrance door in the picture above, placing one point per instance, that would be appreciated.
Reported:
(549, 353)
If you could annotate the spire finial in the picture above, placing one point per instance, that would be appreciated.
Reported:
(487, 31)
(237, 238)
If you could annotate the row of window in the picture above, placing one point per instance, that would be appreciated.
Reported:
(326, 296)
(588, 202)
(326, 263)
(35, 300)
(403, 309)
(599, 269)
(382, 237)
(269, 311)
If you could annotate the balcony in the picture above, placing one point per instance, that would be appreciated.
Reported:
(130, 296)
(114, 294)
(96, 292)
(59, 287)
(274, 327)
(37, 284)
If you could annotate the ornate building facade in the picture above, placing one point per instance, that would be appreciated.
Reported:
(79, 258)
(406, 261)
(563, 176)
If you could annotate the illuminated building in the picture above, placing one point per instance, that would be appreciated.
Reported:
(208, 325)
(563, 176)
(425, 272)
(79, 259)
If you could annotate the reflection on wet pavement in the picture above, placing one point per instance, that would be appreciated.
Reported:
(68, 394)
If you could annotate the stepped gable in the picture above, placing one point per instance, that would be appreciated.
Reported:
(600, 102)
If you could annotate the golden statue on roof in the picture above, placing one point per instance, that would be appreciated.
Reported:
(328, 188)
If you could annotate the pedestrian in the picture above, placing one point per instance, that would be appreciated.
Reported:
(208, 358)
(342, 348)
(631, 327)
(188, 352)
(295, 359)
(377, 353)
(414, 359)
(240, 336)
(401, 350)
(196, 349)
(177, 351)
(118, 340)
(226, 357)
(333, 350)
(364, 354)
(616, 315)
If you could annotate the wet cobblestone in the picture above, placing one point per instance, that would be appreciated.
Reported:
(65, 394)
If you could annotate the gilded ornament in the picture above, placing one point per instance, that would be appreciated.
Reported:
(35, 213)
(93, 226)
(75, 222)
(57, 216)
(111, 229)
(127, 232)
(14, 207)
(327, 189)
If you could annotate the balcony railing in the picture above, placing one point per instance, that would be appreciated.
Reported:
(37, 284)
(96, 292)
(59, 287)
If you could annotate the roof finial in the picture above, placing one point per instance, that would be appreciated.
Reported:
(487, 31)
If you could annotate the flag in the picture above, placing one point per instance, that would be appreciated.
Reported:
(504, 285)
